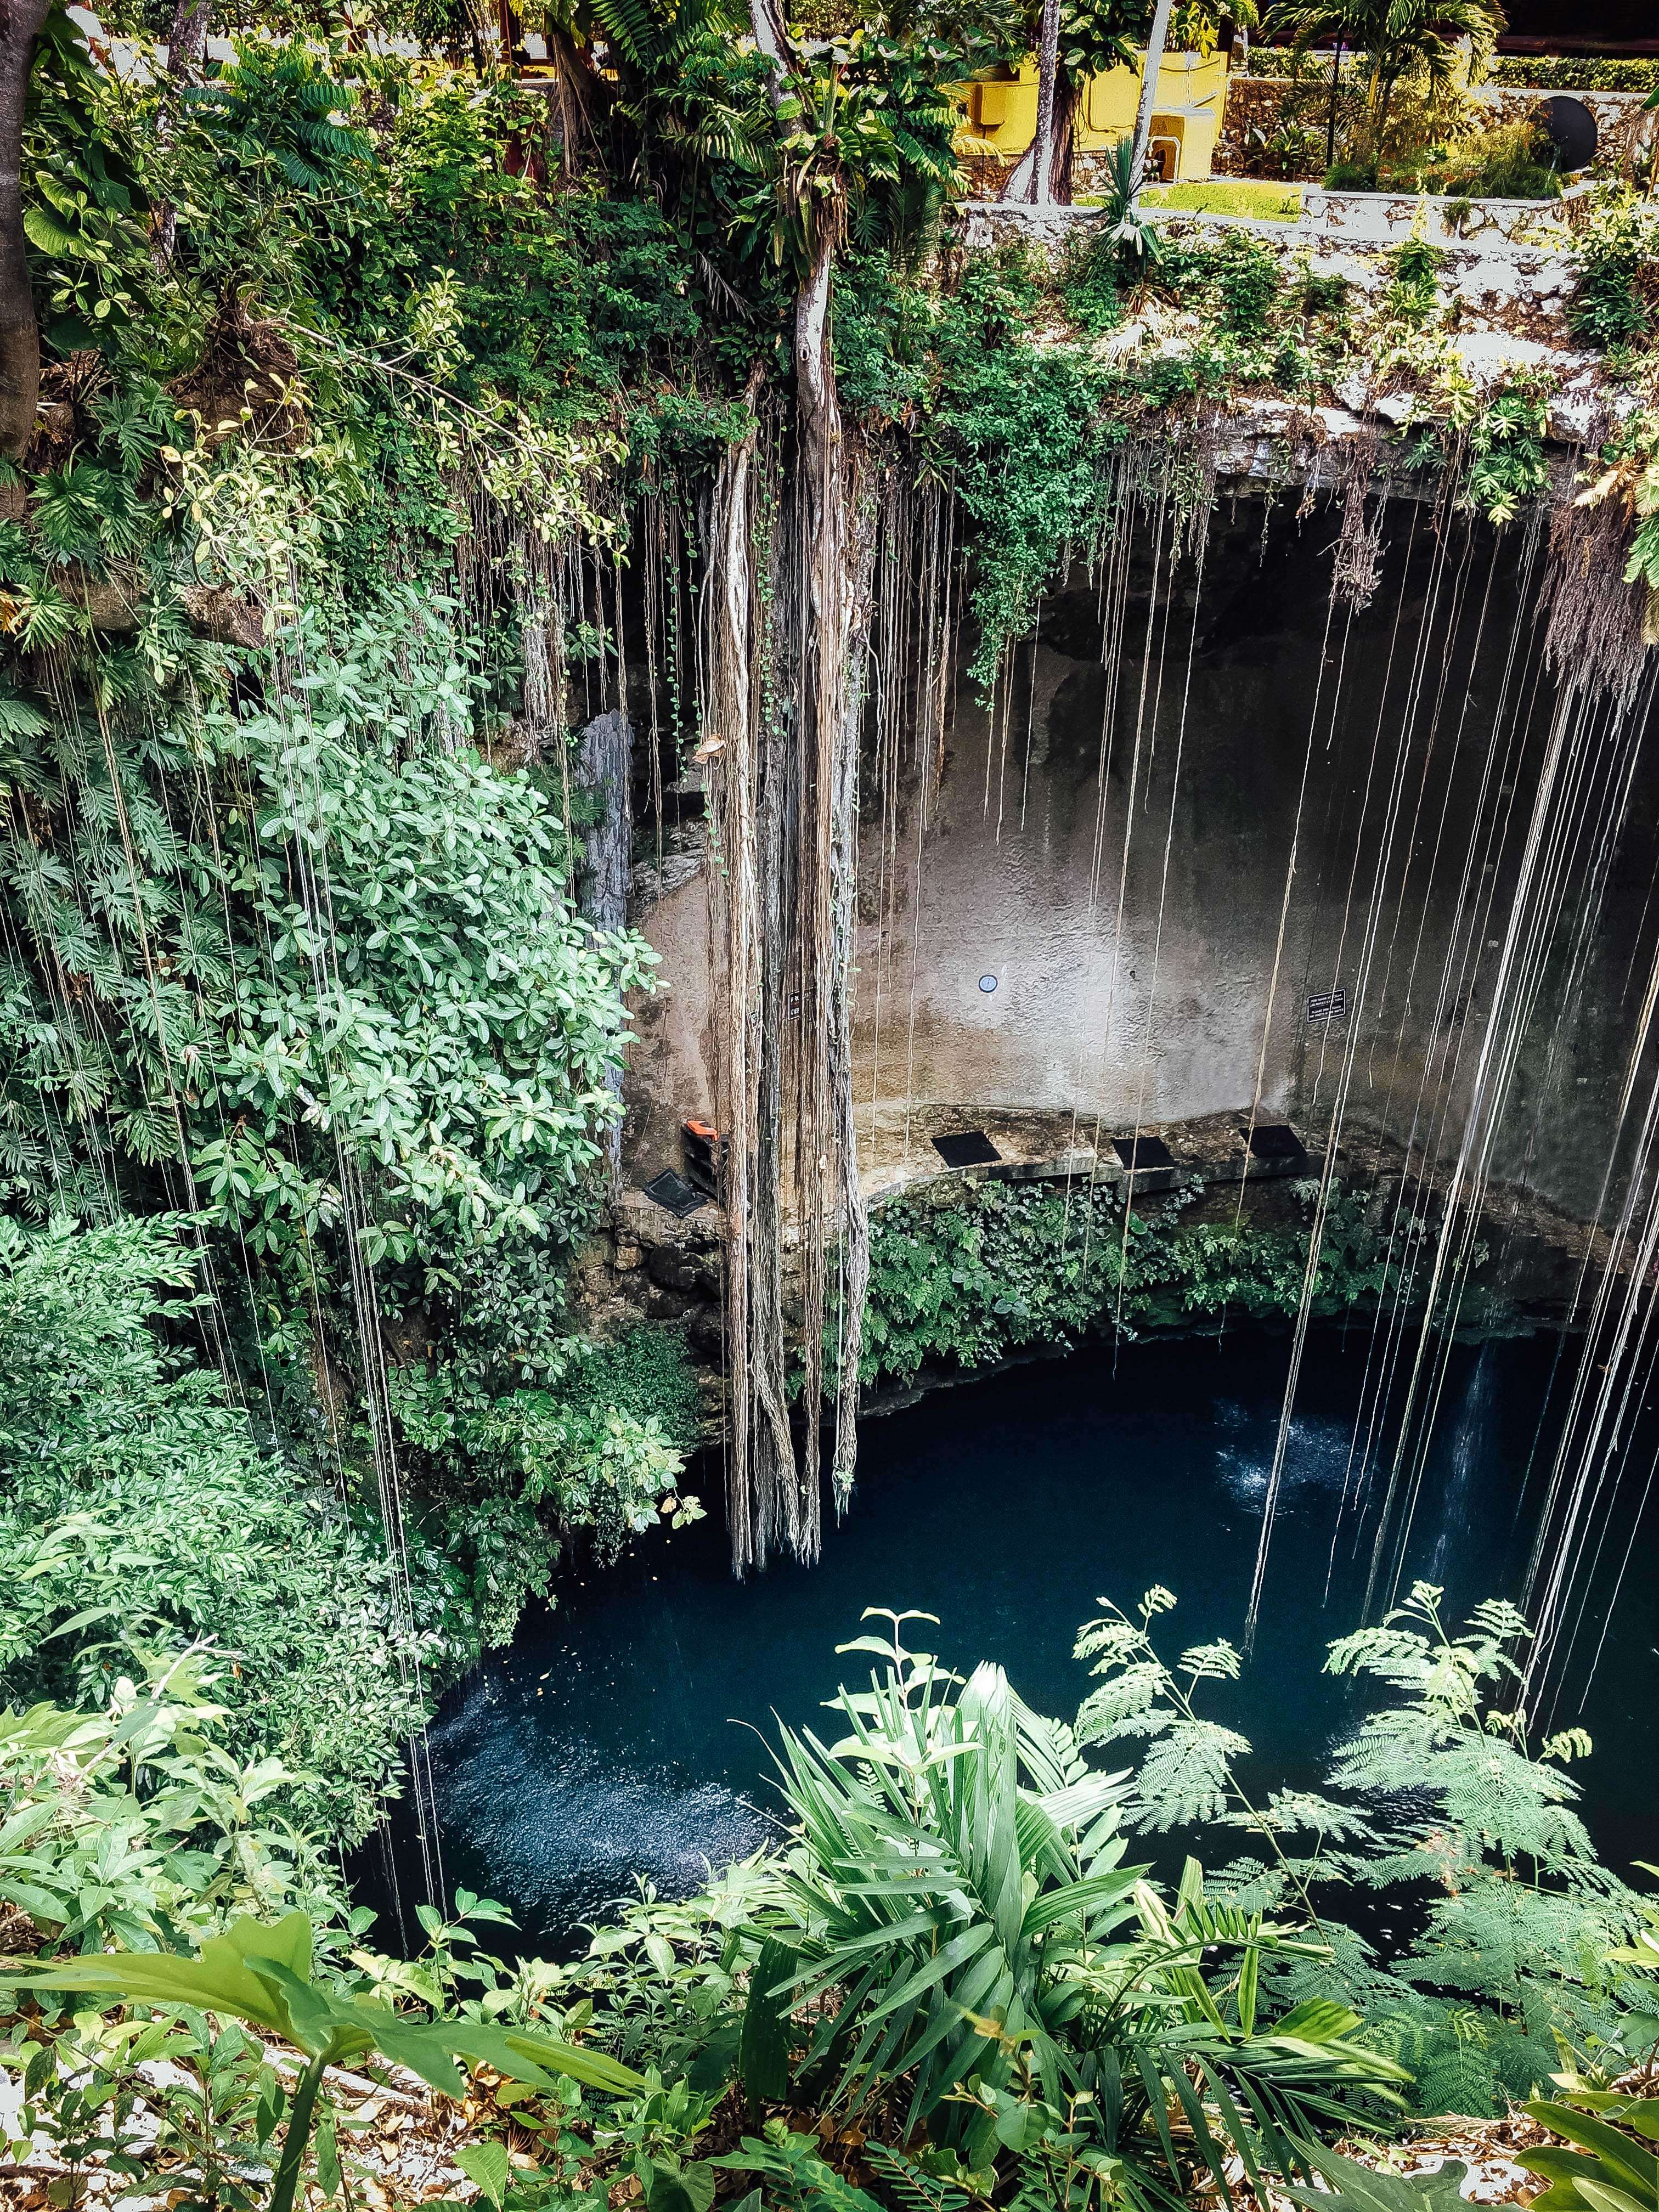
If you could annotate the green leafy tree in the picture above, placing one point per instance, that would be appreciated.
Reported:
(282, 105)
(355, 964)
(138, 1516)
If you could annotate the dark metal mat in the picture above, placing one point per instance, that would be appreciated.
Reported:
(674, 1194)
(1143, 1152)
(1276, 1141)
(966, 1148)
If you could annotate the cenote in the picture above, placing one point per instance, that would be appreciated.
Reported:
(694, 805)
(626, 1734)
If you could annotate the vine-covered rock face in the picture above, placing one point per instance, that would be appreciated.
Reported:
(1007, 1266)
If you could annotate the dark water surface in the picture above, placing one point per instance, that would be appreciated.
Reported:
(626, 1731)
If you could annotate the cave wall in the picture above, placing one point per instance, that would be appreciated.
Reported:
(1398, 748)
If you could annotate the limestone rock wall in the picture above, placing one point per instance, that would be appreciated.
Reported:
(1278, 862)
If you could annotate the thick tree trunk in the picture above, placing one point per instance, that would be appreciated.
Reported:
(509, 34)
(823, 498)
(1379, 130)
(1063, 140)
(787, 796)
(843, 877)
(583, 99)
(19, 334)
(746, 796)
(1041, 191)
(188, 36)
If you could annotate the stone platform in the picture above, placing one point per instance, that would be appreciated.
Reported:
(896, 1152)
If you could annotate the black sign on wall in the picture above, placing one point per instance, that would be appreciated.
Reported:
(1327, 1006)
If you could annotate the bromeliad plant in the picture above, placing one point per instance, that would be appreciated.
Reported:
(961, 1927)
(922, 1830)
(261, 1974)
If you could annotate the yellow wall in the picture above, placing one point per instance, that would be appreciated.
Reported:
(1000, 115)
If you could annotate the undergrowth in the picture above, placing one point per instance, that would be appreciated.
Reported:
(965, 1283)
(1617, 302)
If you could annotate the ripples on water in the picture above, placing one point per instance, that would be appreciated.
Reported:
(625, 1733)
(560, 1825)
(1318, 1457)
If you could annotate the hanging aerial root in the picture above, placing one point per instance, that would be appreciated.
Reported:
(728, 720)
(843, 877)
(1357, 574)
(1595, 637)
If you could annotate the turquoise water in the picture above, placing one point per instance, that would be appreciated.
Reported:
(626, 1732)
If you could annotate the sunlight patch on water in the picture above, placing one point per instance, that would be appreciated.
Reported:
(564, 1826)
(1315, 1459)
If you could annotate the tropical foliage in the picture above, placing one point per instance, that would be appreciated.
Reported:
(1440, 1797)
(364, 385)
(961, 1920)
(261, 1974)
(964, 1284)
(950, 1985)
(1434, 40)
(142, 1518)
(138, 1517)
(137, 1826)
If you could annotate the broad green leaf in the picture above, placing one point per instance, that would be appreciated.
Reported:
(488, 2164)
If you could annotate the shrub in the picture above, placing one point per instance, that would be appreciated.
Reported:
(138, 1514)
(1513, 162)
(1014, 1265)
(1088, 282)
(1619, 291)
(1575, 72)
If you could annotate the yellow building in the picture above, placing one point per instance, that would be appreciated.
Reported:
(999, 113)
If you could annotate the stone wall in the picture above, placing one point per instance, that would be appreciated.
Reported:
(644, 1265)
(1258, 103)
(1627, 132)
(1278, 804)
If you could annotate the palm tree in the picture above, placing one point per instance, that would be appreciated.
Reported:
(1396, 36)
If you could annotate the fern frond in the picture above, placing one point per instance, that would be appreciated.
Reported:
(1184, 1778)
(916, 2190)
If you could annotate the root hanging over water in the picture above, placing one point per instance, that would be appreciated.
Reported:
(1357, 575)
(785, 619)
(1595, 636)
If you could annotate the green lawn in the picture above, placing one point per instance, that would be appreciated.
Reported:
(1251, 196)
